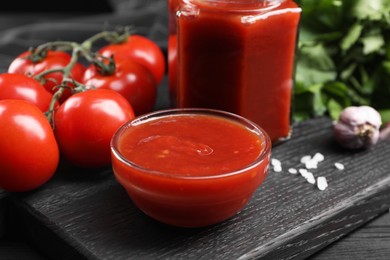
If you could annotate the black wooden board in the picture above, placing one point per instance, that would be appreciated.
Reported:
(3, 210)
(87, 215)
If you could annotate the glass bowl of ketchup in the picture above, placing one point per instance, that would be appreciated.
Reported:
(190, 167)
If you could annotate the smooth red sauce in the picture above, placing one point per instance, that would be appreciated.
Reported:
(191, 170)
(191, 145)
(234, 62)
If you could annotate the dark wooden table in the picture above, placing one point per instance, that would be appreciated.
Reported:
(371, 241)
(80, 215)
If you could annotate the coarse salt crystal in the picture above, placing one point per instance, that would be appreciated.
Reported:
(322, 184)
(292, 171)
(277, 168)
(311, 164)
(305, 159)
(303, 171)
(339, 166)
(310, 178)
(275, 162)
(318, 157)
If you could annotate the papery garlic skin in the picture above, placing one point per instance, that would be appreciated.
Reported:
(358, 127)
(385, 132)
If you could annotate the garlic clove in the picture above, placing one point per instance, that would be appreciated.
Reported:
(371, 116)
(350, 116)
(358, 127)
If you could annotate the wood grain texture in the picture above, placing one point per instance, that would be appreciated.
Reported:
(88, 215)
(370, 242)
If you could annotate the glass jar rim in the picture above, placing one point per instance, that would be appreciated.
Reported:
(235, 5)
(192, 111)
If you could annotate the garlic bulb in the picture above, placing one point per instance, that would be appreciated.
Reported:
(358, 127)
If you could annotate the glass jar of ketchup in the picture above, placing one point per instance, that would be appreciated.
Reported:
(238, 56)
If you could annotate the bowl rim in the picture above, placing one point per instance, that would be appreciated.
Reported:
(192, 111)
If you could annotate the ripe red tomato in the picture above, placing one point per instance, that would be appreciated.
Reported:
(17, 86)
(29, 153)
(130, 79)
(140, 49)
(85, 123)
(53, 60)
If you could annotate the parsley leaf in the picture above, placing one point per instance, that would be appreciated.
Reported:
(343, 57)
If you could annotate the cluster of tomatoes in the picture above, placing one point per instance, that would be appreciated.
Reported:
(43, 117)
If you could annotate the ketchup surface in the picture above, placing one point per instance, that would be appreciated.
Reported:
(188, 145)
(239, 60)
(190, 170)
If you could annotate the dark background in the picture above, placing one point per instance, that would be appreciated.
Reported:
(29, 23)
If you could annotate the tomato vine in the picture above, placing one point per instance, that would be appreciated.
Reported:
(104, 65)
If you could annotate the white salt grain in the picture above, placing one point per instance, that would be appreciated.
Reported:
(310, 178)
(322, 184)
(292, 171)
(275, 162)
(305, 159)
(303, 171)
(339, 166)
(318, 157)
(311, 164)
(307, 175)
(278, 169)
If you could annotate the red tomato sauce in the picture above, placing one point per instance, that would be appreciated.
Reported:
(239, 62)
(191, 145)
(191, 170)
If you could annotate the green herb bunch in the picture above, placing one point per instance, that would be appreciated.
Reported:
(343, 57)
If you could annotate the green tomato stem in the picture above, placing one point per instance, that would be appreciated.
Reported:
(104, 65)
(66, 71)
(62, 45)
(110, 36)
